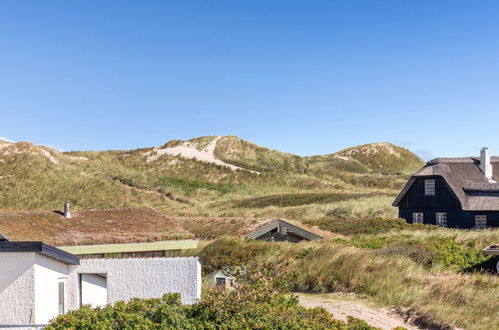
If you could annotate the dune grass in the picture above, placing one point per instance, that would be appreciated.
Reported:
(434, 295)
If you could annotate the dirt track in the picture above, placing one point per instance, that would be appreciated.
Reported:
(341, 306)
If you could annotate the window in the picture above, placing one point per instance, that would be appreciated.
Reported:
(417, 217)
(283, 230)
(221, 282)
(441, 219)
(429, 187)
(480, 221)
(62, 296)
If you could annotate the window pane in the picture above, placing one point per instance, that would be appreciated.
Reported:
(61, 298)
(429, 187)
(441, 219)
(480, 221)
(417, 217)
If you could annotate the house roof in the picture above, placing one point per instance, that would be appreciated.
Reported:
(129, 225)
(467, 181)
(41, 248)
(492, 250)
(278, 223)
(210, 228)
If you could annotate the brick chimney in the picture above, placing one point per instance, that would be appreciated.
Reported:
(485, 165)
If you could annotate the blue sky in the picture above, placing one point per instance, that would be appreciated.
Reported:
(306, 77)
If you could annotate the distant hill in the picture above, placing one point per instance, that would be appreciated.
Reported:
(207, 176)
(384, 157)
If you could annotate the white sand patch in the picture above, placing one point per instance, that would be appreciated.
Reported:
(78, 158)
(341, 306)
(12, 149)
(49, 156)
(189, 150)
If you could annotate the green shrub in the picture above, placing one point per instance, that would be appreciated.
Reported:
(449, 253)
(258, 302)
(360, 226)
(227, 252)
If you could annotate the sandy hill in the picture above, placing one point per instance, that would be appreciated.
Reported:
(207, 176)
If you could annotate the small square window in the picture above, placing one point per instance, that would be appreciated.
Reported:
(481, 221)
(417, 217)
(429, 187)
(221, 282)
(441, 219)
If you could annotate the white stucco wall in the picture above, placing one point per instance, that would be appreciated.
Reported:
(145, 277)
(17, 287)
(48, 273)
(29, 283)
(93, 290)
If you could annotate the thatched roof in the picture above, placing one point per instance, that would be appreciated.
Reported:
(467, 181)
(129, 225)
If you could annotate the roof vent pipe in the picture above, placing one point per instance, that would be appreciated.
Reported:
(485, 165)
(67, 214)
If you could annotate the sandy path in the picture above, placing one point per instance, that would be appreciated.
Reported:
(341, 306)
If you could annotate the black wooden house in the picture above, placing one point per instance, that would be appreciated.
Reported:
(453, 192)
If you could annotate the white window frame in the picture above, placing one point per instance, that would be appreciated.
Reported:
(429, 187)
(441, 219)
(417, 217)
(64, 282)
(480, 221)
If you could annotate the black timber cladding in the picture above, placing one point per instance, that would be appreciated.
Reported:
(444, 196)
(41, 248)
(305, 234)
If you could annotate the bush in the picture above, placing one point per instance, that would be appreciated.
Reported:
(360, 226)
(449, 253)
(258, 302)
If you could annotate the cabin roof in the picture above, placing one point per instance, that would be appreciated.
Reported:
(41, 248)
(110, 226)
(210, 228)
(492, 250)
(467, 181)
(278, 223)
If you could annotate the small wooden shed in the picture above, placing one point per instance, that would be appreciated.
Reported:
(492, 250)
(282, 231)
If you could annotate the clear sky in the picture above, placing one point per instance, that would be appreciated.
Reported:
(306, 77)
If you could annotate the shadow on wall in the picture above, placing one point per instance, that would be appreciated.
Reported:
(13, 268)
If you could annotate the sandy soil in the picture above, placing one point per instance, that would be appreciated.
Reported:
(343, 305)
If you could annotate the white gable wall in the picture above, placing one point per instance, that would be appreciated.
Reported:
(145, 277)
(93, 290)
(17, 287)
(29, 283)
(48, 272)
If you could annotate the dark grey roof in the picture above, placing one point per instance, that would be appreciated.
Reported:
(472, 188)
(290, 228)
(3, 238)
(491, 250)
(43, 249)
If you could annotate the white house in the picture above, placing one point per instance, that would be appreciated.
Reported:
(39, 282)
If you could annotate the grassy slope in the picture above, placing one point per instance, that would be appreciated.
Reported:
(312, 187)
(412, 267)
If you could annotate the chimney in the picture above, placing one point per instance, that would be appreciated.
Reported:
(67, 214)
(485, 165)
